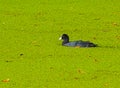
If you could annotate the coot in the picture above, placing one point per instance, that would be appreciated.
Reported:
(79, 43)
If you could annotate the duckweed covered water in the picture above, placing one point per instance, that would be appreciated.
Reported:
(31, 56)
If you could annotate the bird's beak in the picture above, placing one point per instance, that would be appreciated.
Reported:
(60, 38)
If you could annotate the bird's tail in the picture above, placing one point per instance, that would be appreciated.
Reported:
(93, 45)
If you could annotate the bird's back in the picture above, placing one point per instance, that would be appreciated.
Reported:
(80, 43)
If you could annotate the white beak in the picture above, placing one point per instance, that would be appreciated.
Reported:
(60, 38)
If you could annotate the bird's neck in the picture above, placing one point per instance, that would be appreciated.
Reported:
(65, 41)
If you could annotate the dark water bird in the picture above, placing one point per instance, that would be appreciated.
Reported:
(79, 43)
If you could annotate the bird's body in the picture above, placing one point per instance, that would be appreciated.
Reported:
(79, 43)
